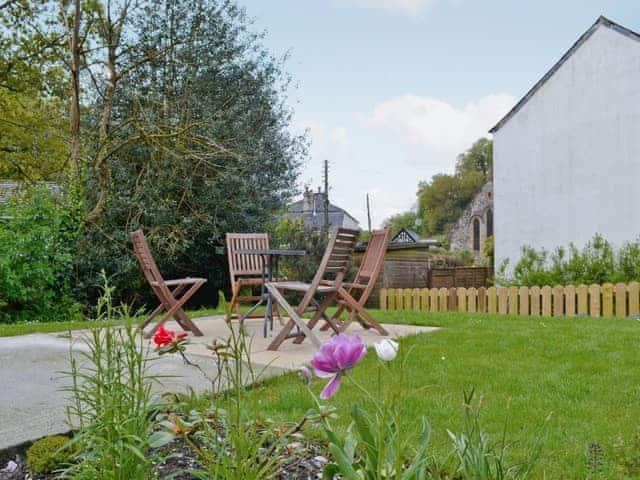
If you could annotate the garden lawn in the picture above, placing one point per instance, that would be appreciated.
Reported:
(585, 371)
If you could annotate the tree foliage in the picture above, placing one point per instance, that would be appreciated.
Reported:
(408, 220)
(442, 200)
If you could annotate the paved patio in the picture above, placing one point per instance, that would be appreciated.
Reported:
(32, 404)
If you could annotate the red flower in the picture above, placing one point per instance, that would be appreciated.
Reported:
(164, 337)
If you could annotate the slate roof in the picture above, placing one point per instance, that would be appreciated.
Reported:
(314, 215)
(9, 188)
(601, 21)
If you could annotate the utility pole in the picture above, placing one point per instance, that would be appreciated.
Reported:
(326, 195)
(368, 214)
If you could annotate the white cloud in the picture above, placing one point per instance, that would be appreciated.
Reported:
(411, 7)
(435, 129)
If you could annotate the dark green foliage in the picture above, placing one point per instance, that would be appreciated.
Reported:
(408, 220)
(293, 235)
(597, 263)
(49, 454)
(216, 79)
(36, 254)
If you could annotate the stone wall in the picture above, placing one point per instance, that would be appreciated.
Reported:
(461, 235)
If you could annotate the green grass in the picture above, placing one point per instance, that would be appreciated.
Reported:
(583, 370)
(25, 328)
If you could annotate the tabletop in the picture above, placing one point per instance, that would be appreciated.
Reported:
(271, 251)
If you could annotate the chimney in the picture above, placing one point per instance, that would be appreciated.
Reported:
(307, 200)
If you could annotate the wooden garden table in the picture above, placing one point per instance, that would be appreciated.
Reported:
(270, 259)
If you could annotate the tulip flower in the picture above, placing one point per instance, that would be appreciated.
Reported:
(336, 358)
(386, 349)
(167, 341)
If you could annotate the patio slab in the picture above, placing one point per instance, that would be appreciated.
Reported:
(32, 400)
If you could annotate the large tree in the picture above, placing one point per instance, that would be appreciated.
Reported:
(234, 165)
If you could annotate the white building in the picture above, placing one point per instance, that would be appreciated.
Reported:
(567, 156)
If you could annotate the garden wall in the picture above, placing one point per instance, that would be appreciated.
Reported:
(607, 300)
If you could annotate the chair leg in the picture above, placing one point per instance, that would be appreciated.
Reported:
(174, 308)
(294, 320)
(335, 317)
(316, 317)
(360, 310)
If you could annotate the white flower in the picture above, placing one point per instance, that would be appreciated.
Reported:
(386, 349)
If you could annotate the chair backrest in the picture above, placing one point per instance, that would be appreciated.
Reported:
(374, 255)
(145, 259)
(335, 262)
(245, 265)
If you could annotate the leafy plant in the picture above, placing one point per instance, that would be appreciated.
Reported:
(480, 458)
(36, 259)
(49, 454)
(111, 399)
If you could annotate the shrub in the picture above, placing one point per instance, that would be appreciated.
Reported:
(597, 262)
(49, 454)
(36, 247)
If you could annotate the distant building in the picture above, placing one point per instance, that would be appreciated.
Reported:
(475, 224)
(567, 156)
(409, 237)
(311, 210)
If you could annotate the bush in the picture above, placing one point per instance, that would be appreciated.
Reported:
(49, 454)
(36, 259)
(598, 262)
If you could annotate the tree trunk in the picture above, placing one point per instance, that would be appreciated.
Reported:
(74, 45)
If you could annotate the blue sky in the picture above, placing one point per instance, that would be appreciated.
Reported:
(392, 90)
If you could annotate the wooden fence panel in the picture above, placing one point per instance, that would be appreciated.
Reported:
(634, 298)
(391, 299)
(558, 301)
(583, 300)
(424, 299)
(406, 294)
(621, 300)
(535, 301)
(452, 302)
(523, 294)
(433, 300)
(462, 299)
(513, 300)
(492, 300)
(502, 300)
(607, 300)
(546, 300)
(443, 293)
(400, 299)
(594, 300)
(570, 301)
(383, 299)
(472, 300)
(482, 300)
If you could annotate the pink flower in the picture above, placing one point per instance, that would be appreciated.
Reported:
(335, 358)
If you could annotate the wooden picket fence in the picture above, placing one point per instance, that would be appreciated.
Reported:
(607, 300)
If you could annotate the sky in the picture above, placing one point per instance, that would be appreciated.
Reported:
(391, 91)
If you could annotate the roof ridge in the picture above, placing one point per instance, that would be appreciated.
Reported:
(601, 20)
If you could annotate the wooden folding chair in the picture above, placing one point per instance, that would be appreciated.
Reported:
(170, 300)
(364, 281)
(245, 270)
(335, 263)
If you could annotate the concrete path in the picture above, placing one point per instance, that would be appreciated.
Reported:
(32, 403)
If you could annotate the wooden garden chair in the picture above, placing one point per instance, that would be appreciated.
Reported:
(170, 300)
(364, 281)
(335, 263)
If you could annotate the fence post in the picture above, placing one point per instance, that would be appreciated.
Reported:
(399, 299)
(406, 293)
(621, 300)
(558, 301)
(482, 300)
(452, 303)
(583, 300)
(570, 301)
(424, 296)
(415, 298)
(607, 300)
(594, 300)
(383, 299)
(391, 298)
(513, 300)
(443, 293)
(634, 298)
(535, 301)
(492, 300)
(502, 300)
(524, 300)
(433, 299)
(546, 300)
(462, 299)
(472, 300)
